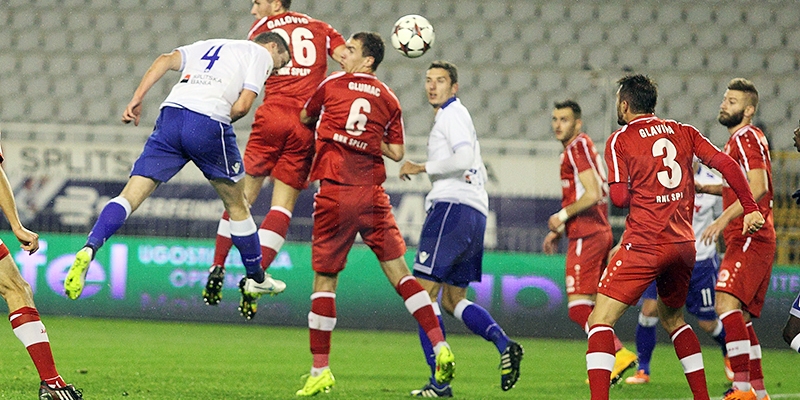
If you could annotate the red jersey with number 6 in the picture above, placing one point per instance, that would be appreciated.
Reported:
(749, 148)
(357, 112)
(654, 157)
(310, 41)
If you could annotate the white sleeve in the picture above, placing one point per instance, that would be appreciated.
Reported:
(257, 71)
(460, 160)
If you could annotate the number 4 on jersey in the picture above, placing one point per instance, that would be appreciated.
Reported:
(212, 58)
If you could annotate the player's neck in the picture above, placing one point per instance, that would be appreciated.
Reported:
(745, 122)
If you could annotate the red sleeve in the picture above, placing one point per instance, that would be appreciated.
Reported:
(395, 132)
(313, 105)
(580, 156)
(335, 38)
(620, 194)
(736, 180)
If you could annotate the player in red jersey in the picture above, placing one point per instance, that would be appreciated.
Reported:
(584, 218)
(279, 145)
(650, 171)
(361, 123)
(18, 296)
(745, 271)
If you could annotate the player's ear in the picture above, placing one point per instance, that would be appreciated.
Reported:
(369, 61)
(579, 125)
(454, 89)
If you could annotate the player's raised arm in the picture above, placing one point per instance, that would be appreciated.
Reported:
(162, 64)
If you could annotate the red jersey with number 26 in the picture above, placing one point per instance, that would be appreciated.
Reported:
(357, 112)
(310, 42)
(654, 157)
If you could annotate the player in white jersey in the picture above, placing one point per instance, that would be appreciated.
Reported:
(450, 252)
(791, 331)
(700, 299)
(219, 81)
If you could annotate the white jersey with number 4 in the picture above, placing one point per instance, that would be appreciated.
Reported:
(453, 129)
(213, 74)
(707, 207)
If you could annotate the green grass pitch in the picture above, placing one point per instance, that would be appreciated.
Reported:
(123, 359)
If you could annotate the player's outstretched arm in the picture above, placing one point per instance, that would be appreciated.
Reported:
(162, 64)
(29, 241)
(411, 168)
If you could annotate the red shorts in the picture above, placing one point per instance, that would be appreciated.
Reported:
(634, 268)
(586, 259)
(342, 211)
(745, 272)
(280, 146)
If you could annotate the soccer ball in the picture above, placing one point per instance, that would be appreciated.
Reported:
(412, 35)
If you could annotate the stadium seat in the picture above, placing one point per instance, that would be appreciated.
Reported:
(592, 102)
(690, 58)
(499, 102)
(699, 14)
(191, 23)
(509, 126)
(525, 11)
(446, 31)
(759, 16)
(14, 110)
(748, 62)
(352, 7)
(721, 60)
(32, 64)
(220, 26)
(116, 66)
(709, 37)
(773, 112)
(680, 108)
(133, 5)
(466, 9)
(5, 39)
(553, 12)
(162, 23)
(520, 80)
(8, 66)
(570, 57)
(610, 13)
(69, 111)
(548, 81)
(651, 37)
(789, 89)
(670, 85)
(782, 62)
(37, 88)
(494, 12)
(23, 20)
(49, 21)
(101, 111)
(729, 16)
(67, 89)
(156, 5)
(28, 40)
(640, 14)
(437, 12)
(84, 41)
(769, 39)
(474, 32)
(740, 38)
(631, 57)
(490, 80)
(602, 57)
(533, 34)
(787, 18)
(483, 121)
(503, 34)
(112, 42)
(679, 38)
(562, 34)
(454, 52)
(669, 13)
(591, 34)
(41, 110)
(579, 83)
(660, 58)
(619, 36)
(699, 86)
(582, 13)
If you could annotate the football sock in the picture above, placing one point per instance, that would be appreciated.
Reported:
(579, 310)
(600, 360)
(795, 344)
(687, 347)
(737, 341)
(646, 340)
(418, 303)
(321, 321)
(244, 237)
(111, 218)
(756, 374)
(223, 243)
(31, 332)
(478, 320)
(272, 233)
(427, 347)
(719, 336)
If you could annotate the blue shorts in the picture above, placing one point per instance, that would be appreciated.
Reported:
(700, 299)
(180, 136)
(795, 310)
(451, 245)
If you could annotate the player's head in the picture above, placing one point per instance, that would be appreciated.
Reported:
(566, 120)
(268, 8)
(637, 94)
(277, 47)
(739, 103)
(364, 52)
(441, 82)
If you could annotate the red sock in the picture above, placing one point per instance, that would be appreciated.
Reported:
(419, 305)
(600, 360)
(737, 342)
(272, 233)
(321, 321)
(31, 332)
(579, 311)
(756, 374)
(224, 243)
(687, 347)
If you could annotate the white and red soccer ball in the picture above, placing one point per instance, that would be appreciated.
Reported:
(412, 35)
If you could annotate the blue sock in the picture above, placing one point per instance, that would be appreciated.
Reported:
(478, 320)
(646, 341)
(114, 214)
(245, 237)
(719, 337)
(427, 347)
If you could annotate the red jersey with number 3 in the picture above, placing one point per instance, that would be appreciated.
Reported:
(581, 155)
(749, 148)
(357, 112)
(310, 43)
(654, 157)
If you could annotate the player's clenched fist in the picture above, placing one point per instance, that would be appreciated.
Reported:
(752, 222)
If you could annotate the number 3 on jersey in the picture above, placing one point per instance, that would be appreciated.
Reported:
(666, 149)
(357, 119)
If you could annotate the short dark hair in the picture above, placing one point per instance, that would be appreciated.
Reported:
(371, 46)
(640, 92)
(571, 104)
(286, 3)
(451, 69)
(746, 86)
(272, 37)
